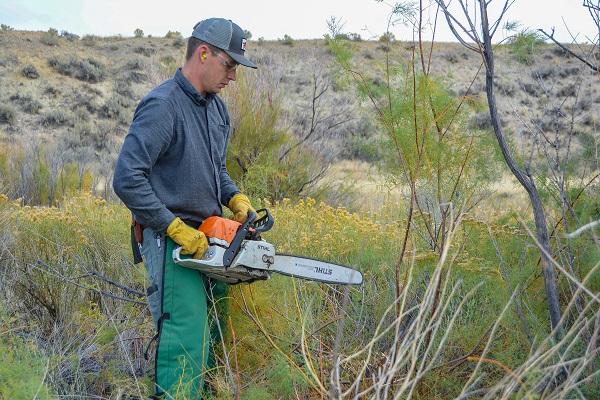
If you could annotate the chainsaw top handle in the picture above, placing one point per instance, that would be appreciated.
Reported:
(251, 228)
(264, 223)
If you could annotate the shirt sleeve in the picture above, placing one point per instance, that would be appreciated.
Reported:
(228, 187)
(148, 138)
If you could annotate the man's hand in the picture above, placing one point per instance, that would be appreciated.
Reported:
(240, 205)
(191, 240)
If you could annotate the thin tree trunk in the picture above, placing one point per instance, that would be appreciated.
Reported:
(524, 179)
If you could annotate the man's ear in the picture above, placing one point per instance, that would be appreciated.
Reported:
(203, 52)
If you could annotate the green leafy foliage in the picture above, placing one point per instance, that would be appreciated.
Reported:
(254, 154)
(22, 368)
(524, 45)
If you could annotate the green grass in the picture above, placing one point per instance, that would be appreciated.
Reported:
(23, 370)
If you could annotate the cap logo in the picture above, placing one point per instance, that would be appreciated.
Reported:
(243, 44)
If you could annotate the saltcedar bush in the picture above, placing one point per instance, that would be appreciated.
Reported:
(22, 368)
(524, 45)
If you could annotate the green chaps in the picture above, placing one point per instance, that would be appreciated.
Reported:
(180, 300)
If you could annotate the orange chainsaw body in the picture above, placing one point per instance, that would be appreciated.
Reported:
(219, 228)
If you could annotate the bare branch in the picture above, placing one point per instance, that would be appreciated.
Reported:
(567, 50)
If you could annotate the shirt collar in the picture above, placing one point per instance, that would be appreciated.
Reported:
(190, 90)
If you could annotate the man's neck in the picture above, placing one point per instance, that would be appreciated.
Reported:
(187, 71)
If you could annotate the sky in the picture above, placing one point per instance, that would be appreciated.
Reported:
(270, 19)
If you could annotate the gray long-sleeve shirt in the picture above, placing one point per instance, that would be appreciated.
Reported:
(172, 162)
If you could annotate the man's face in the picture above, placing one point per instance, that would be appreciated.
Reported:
(220, 69)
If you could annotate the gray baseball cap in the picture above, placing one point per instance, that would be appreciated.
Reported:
(225, 35)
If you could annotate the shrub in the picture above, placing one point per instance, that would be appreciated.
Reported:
(179, 42)
(450, 57)
(533, 89)
(50, 38)
(115, 108)
(568, 71)
(387, 37)
(71, 37)
(173, 35)
(287, 40)
(7, 114)
(29, 71)
(146, 51)
(86, 100)
(85, 134)
(134, 64)
(6, 28)
(137, 77)
(56, 117)
(123, 88)
(87, 70)
(21, 368)
(51, 91)
(89, 40)
(524, 44)
(567, 91)
(247, 34)
(481, 121)
(138, 33)
(544, 72)
(81, 114)
(27, 103)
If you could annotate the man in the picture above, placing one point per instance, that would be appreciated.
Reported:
(171, 174)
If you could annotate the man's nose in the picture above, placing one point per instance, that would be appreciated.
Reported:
(231, 74)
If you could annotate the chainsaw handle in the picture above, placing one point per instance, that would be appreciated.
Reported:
(236, 243)
(264, 223)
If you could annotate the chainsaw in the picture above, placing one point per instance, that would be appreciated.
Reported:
(237, 254)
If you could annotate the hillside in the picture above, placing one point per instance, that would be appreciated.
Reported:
(76, 96)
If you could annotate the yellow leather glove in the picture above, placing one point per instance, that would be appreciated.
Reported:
(191, 240)
(240, 205)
